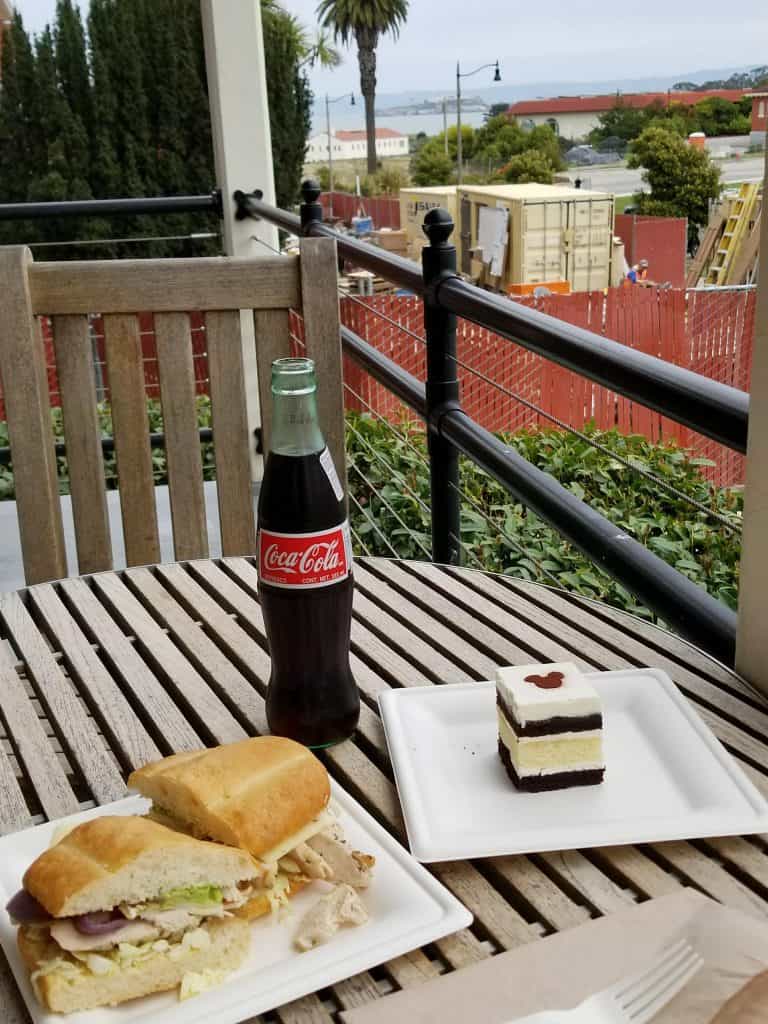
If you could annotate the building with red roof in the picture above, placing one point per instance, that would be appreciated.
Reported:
(576, 116)
(353, 145)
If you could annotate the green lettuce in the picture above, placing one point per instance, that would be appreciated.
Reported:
(200, 895)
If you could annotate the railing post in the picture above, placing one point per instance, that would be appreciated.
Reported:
(311, 210)
(438, 262)
(752, 637)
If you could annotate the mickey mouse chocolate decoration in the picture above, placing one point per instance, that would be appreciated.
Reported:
(551, 681)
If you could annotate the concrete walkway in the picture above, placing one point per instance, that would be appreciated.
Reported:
(12, 570)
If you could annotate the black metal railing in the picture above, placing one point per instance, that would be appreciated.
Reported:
(710, 408)
(713, 409)
(707, 406)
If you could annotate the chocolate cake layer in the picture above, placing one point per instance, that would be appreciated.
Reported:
(550, 726)
(546, 783)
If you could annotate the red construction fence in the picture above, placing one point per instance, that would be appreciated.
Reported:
(384, 210)
(709, 332)
(507, 388)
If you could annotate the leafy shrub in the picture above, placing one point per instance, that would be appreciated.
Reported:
(395, 469)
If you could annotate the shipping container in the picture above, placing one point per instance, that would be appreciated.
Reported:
(415, 204)
(548, 233)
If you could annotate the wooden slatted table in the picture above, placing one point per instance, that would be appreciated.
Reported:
(101, 674)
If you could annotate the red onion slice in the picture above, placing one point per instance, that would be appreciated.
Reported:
(101, 922)
(25, 909)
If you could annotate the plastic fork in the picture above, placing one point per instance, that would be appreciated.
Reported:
(635, 999)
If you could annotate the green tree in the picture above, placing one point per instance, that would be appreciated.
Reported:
(542, 139)
(105, 174)
(621, 121)
(365, 21)
(72, 62)
(431, 166)
(501, 138)
(290, 102)
(532, 165)
(716, 116)
(682, 179)
(17, 102)
(495, 109)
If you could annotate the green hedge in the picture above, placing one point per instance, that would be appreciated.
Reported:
(389, 485)
(688, 539)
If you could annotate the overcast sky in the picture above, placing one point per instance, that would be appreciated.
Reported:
(557, 40)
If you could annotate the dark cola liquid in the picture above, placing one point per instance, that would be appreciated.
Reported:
(312, 696)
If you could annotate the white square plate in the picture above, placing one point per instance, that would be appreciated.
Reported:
(667, 776)
(407, 908)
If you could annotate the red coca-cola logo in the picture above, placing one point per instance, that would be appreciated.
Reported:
(305, 559)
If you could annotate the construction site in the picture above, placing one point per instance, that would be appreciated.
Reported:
(729, 252)
(566, 253)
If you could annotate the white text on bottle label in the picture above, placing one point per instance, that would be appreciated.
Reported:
(326, 461)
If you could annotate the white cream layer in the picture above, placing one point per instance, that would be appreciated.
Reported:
(546, 755)
(576, 697)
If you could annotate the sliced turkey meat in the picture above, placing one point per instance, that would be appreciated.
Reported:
(177, 920)
(310, 862)
(69, 938)
(321, 922)
(348, 866)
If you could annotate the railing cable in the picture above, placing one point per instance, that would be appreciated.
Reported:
(373, 523)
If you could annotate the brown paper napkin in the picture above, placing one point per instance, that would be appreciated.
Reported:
(560, 971)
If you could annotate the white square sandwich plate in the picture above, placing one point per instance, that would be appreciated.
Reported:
(667, 776)
(407, 908)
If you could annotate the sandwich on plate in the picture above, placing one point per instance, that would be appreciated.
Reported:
(269, 796)
(121, 907)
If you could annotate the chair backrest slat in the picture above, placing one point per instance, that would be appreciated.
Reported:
(182, 443)
(125, 366)
(25, 390)
(320, 306)
(77, 386)
(230, 433)
(163, 286)
(273, 341)
(230, 293)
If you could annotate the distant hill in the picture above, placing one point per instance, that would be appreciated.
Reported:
(740, 80)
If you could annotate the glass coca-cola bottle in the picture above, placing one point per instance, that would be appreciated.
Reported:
(305, 570)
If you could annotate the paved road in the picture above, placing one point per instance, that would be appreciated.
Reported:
(622, 181)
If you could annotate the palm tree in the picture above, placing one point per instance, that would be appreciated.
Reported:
(365, 21)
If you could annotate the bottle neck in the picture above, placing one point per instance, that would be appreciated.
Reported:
(295, 426)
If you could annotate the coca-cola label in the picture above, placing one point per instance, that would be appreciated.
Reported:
(305, 559)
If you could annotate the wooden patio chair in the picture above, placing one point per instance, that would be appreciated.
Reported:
(171, 289)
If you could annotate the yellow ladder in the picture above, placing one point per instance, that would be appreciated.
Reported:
(735, 228)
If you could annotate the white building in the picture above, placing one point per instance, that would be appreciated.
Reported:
(352, 145)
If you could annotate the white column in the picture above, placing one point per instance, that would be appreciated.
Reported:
(752, 637)
(242, 146)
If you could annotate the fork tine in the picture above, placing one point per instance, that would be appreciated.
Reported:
(671, 968)
(645, 1009)
(624, 990)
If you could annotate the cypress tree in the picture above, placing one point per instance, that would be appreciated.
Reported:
(17, 99)
(133, 141)
(72, 63)
(290, 100)
(105, 172)
(192, 99)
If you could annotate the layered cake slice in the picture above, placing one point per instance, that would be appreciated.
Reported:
(550, 727)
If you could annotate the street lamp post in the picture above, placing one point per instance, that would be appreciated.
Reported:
(459, 76)
(328, 103)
